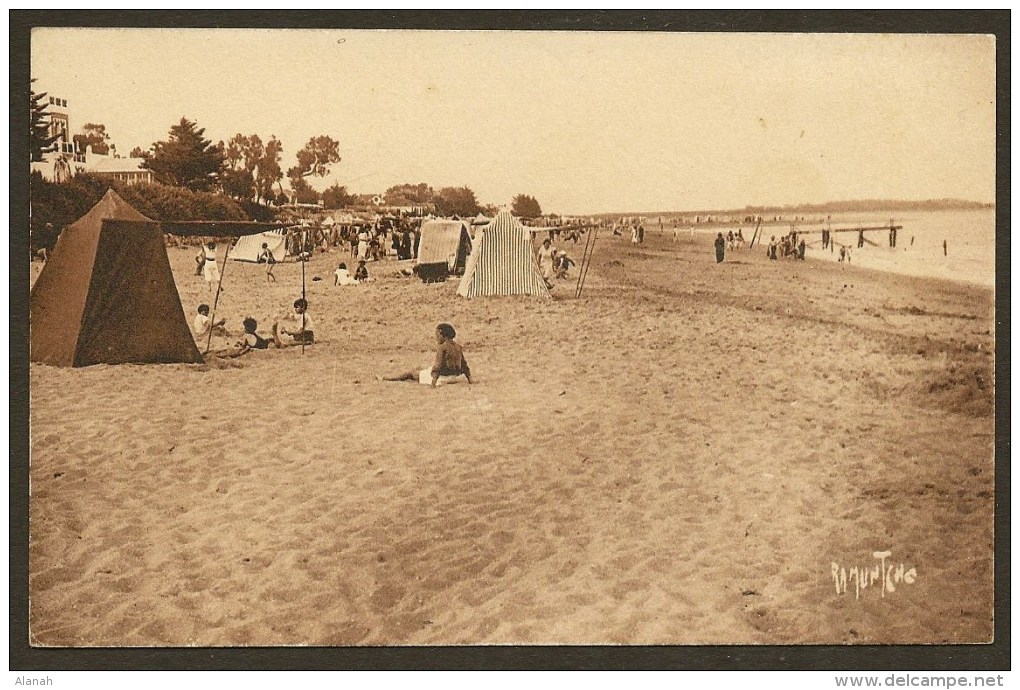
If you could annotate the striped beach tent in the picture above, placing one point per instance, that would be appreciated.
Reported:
(445, 242)
(502, 261)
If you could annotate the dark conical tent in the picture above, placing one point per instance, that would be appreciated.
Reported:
(107, 295)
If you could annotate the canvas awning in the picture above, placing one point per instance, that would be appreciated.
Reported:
(203, 228)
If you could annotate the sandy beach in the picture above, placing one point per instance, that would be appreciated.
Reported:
(684, 455)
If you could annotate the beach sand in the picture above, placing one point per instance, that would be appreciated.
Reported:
(681, 456)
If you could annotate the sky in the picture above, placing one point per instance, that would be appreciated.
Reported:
(585, 122)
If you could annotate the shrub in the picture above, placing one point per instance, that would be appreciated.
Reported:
(54, 205)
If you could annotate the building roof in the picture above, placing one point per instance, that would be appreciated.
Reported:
(116, 165)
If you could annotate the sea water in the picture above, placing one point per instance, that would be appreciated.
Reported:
(969, 237)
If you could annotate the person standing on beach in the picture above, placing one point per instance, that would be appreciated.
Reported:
(266, 257)
(210, 270)
(772, 249)
(546, 261)
(720, 248)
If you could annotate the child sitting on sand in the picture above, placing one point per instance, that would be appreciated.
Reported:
(361, 272)
(203, 323)
(449, 365)
(342, 277)
(298, 326)
(250, 341)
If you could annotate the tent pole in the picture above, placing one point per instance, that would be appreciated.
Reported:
(580, 269)
(303, 262)
(584, 275)
(216, 300)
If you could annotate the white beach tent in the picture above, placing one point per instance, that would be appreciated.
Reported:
(445, 242)
(502, 261)
(249, 247)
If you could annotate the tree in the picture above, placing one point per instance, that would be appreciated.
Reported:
(252, 167)
(459, 201)
(238, 184)
(269, 171)
(94, 135)
(316, 157)
(137, 152)
(409, 194)
(303, 193)
(336, 196)
(40, 141)
(240, 156)
(525, 206)
(186, 159)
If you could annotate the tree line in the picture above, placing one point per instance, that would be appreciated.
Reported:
(249, 170)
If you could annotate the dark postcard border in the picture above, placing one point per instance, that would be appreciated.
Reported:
(994, 656)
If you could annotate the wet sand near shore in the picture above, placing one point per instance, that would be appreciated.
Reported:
(684, 455)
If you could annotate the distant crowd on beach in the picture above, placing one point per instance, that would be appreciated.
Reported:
(367, 242)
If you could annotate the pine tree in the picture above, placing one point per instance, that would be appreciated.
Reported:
(40, 141)
(186, 159)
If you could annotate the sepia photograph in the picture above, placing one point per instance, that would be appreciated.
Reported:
(361, 338)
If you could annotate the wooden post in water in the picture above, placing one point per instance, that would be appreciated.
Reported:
(754, 237)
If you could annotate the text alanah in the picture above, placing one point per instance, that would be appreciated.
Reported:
(882, 574)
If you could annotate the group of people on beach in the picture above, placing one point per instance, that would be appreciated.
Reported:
(787, 247)
(732, 240)
(298, 328)
(293, 328)
(553, 262)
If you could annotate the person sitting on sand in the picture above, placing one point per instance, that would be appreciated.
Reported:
(361, 272)
(250, 341)
(449, 365)
(342, 277)
(298, 325)
(203, 323)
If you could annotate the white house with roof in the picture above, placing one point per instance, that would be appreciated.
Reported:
(126, 170)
